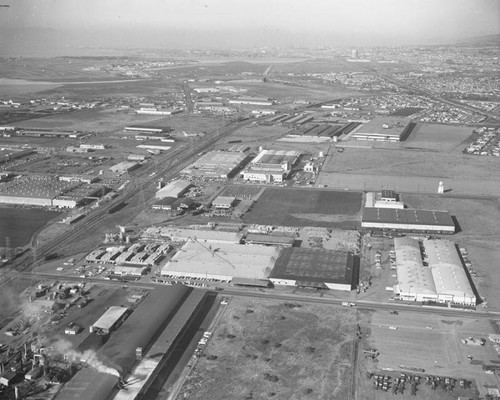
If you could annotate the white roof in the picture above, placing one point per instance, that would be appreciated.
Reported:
(413, 276)
(109, 318)
(223, 259)
(447, 269)
(173, 189)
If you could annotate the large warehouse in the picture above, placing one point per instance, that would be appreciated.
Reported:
(110, 320)
(406, 220)
(173, 189)
(316, 268)
(271, 166)
(441, 279)
(182, 235)
(387, 129)
(222, 261)
(217, 164)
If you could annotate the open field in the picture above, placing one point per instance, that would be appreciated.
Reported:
(444, 138)
(263, 349)
(306, 207)
(241, 191)
(409, 171)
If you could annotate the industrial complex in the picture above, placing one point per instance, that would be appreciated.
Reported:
(438, 277)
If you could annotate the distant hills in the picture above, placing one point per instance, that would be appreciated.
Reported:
(479, 41)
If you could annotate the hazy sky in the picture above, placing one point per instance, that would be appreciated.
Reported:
(237, 23)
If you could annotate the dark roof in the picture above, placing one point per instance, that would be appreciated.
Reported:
(407, 216)
(260, 238)
(166, 201)
(140, 329)
(316, 265)
(389, 194)
(250, 282)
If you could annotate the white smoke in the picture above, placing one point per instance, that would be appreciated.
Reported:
(88, 357)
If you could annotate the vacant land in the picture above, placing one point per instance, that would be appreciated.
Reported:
(296, 207)
(263, 349)
(241, 191)
(437, 137)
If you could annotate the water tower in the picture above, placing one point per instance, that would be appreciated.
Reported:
(441, 187)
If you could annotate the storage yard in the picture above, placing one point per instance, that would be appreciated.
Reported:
(264, 348)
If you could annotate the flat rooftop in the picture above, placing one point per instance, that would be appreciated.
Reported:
(408, 216)
(215, 164)
(112, 314)
(384, 126)
(223, 259)
(315, 265)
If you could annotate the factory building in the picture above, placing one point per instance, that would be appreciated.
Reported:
(438, 277)
(223, 202)
(316, 268)
(221, 261)
(173, 189)
(386, 129)
(271, 166)
(110, 320)
(254, 101)
(145, 129)
(217, 164)
(182, 235)
(124, 167)
(406, 220)
(385, 199)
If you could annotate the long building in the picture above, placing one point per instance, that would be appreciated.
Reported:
(316, 268)
(439, 277)
(174, 189)
(407, 220)
(222, 261)
(109, 320)
(386, 129)
(217, 164)
(271, 166)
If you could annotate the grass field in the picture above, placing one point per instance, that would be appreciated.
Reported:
(266, 349)
(296, 207)
(240, 191)
(437, 137)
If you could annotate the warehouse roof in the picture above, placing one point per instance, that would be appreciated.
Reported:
(413, 276)
(223, 259)
(261, 238)
(316, 265)
(109, 318)
(386, 126)
(407, 216)
(174, 188)
(447, 269)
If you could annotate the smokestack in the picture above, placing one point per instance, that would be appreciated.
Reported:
(16, 392)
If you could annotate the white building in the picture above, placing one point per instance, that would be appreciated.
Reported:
(174, 189)
(224, 202)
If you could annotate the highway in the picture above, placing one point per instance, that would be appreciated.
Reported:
(279, 295)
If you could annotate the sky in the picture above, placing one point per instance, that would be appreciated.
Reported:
(242, 23)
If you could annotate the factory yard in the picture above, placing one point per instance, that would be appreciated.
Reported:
(407, 342)
(262, 349)
(308, 207)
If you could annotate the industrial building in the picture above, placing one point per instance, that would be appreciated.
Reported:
(146, 129)
(269, 240)
(223, 202)
(173, 189)
(124, 167)
(49, 133)
(386, 129)
(110, 320)
(182, 235)
(254, 101)
(168, 317)
(222, 261)
(406, 220)
(385, 199)
(316, 268)
(438, 277)
(271, 166)
(217, 164)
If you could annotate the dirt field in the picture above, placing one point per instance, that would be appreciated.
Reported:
(444, 138)
(303, 207)
(265, 349)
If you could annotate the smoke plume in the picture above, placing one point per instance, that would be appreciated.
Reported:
(89, 357)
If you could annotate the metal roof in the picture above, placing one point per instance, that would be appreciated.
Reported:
(413, 277)
(109, 318)
(408, 216)
(447, 269)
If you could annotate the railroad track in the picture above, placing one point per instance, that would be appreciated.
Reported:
(179, 160)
